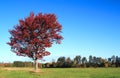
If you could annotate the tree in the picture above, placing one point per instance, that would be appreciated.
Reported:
(68, 62)
(113, 61)
(84, 61)
(34, 34)
(54, 64)
(117, 61)
(61, 62)
(77, 59)
(90, 60)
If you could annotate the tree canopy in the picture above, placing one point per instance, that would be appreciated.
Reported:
(35, 33)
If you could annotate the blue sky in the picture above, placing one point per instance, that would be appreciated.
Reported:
(90, 27)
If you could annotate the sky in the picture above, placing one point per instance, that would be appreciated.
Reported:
(90, 27)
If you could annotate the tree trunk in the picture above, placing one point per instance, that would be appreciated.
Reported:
(36, 65)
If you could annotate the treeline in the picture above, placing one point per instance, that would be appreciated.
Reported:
(77, 62)
(19, 64)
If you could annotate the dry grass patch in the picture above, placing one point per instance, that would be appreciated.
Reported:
(18, 68)
(31, 70)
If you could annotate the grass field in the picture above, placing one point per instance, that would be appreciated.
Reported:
(60, 73)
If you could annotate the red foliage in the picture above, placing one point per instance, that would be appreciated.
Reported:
(34, 34)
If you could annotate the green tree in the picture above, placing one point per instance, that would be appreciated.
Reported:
(61, 62)
(84, 61)
(90, 61)
(68, 62)
(77, 59)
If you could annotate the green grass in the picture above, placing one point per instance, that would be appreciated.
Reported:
(62, 73)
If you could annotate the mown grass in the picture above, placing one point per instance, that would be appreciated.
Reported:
(61, 73)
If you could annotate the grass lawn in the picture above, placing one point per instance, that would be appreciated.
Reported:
(60, 73)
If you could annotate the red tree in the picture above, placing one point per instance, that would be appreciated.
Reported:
(33, 34)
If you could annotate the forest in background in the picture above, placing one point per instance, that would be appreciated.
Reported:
(67, 62)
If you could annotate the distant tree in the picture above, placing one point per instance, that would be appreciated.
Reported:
(77, 59)
(61, 62)
(47, 65)
(84, 61)
(68, 62)
(33, 34)
(90, 61)
(18, 64)
(28, 64)
(53, 63)
(94, 61)
(101, 62)
(109, 62)
(113, 59)
(117, 61)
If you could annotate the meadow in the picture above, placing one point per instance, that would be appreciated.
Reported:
(60, 73)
